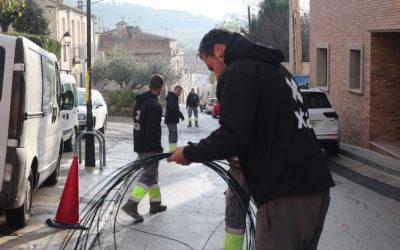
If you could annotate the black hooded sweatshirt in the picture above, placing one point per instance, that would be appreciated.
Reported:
(172, 113)
(147, 114)
(264, 122)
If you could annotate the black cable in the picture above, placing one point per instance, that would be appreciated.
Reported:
(212, 233)
(123, 177)
(154, 234)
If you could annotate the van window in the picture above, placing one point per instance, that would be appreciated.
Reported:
(2, 60)
(81, 98)
(75, 91)
(49, 85)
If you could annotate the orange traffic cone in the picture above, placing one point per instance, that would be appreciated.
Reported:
(68, 210)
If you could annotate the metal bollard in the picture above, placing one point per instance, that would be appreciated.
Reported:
(102, 146)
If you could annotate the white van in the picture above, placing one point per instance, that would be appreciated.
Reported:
(31, 141)
(69, 118)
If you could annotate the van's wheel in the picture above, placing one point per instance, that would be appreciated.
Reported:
(103, 129)
(19, 217)
(53, 178)
(70, 143)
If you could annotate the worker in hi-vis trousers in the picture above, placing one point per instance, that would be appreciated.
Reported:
(172, 116)
(147, 114)
(192, 103)
(235, 219)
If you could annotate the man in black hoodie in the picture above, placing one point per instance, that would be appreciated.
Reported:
(172, 116)
(264, 122)
(147, 114)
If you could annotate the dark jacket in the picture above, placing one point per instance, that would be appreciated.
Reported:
(172, 114)
(264, 122)
(147, 114)
(192, 100)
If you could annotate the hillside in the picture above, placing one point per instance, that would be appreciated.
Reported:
(181, 25)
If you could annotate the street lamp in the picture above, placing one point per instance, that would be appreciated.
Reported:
(67, 37)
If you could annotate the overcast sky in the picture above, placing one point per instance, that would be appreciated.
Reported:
(215, 9)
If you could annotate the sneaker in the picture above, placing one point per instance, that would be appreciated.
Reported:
(157, 208)
(130, 208)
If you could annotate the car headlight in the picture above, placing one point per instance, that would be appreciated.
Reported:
(81, 116)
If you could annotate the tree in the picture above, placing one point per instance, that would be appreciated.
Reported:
(128, 72)
(9, 11)
(305, 35)
(233, 23)
(271, 25)
(33, 20)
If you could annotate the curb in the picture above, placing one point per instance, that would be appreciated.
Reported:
(373, 184)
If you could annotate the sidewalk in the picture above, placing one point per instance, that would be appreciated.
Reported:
(369, 168)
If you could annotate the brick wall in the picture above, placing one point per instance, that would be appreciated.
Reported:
(385, 87)
(342, 23)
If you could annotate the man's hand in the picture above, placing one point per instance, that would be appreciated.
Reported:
(182, 118)
(178, 157)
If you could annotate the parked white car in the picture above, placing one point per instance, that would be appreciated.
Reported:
(210, 105)
(69, 118)
(324, 119)
(31, 141)
(99, 110)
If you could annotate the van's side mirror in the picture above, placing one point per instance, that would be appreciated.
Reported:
(67, 100)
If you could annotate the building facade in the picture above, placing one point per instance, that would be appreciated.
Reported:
(145, 46)
(355, 58)
(63, 18)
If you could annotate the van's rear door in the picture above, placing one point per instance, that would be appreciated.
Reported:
(7, 51)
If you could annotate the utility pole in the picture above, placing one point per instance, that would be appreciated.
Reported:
(90, 160)
(295, 48)
(249, 19)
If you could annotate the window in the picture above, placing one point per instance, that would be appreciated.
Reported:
(49, 85)
(65, 53)
(322, 65)
(81, 98)
(2, 60)
(315, 100)
(355, 68)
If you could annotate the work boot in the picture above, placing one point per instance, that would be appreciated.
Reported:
(156, 207)
(197, 124)
(131, 209)
(190, 125)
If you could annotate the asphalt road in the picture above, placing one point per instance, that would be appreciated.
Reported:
(358, 218)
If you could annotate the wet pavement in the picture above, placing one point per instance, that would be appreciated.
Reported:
(358, 218)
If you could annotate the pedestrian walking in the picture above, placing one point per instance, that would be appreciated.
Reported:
(147, 114)
(192, 103)
(265, 123)
(172, 116)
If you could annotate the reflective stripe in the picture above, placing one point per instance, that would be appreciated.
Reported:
(139, 192)
(235, 230)
(196, 119)
(233, 241)
(172, 147)
(155, 193)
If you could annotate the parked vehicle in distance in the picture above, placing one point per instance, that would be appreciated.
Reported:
(69, 118)
(324, 120)
(210, 105)
(99, 110)
(207, 93)
(302, 80)
(217, 109)
(31, 141)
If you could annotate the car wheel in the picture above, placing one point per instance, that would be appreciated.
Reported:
(53, 178)
(20, 216)
(103, 129)
(70, 143)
